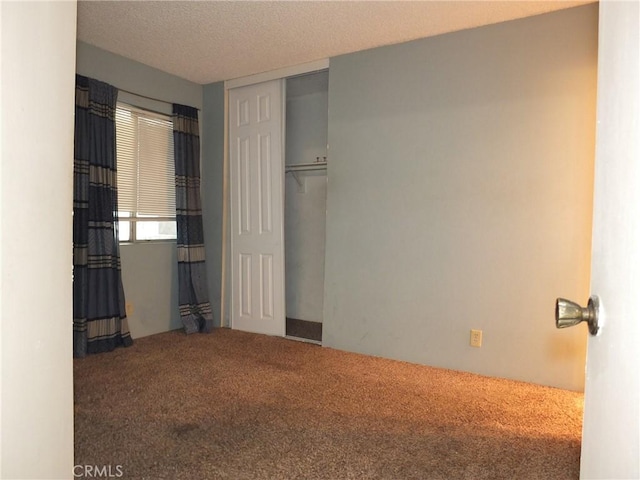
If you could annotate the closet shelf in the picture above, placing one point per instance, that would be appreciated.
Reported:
(305, 166)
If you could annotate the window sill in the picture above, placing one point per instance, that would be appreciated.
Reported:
(148, 242)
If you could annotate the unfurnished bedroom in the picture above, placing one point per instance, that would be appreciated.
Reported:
(334, 240)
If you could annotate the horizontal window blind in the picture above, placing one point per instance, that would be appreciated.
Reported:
(127, 160)
(146, 178)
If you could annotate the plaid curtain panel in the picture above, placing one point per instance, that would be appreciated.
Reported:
(193, 293)
(99, 318)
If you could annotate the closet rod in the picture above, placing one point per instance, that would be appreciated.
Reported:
(305, 166)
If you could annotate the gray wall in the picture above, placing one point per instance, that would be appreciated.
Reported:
(305, 208)
(212, 188)
(136, 77)
(149, 271)
(460, 196)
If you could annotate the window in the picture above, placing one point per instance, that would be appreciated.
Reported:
(146, 178)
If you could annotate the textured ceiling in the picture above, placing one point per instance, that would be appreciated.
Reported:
(219, 40)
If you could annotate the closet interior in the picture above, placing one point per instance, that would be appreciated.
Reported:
(306, 160)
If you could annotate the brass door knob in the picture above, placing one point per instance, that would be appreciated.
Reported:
(569, 313)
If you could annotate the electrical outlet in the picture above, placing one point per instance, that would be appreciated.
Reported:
(128, 308)
(476, 338)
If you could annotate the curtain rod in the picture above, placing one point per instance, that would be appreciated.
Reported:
(147, 97)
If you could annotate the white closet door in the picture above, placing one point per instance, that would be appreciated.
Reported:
(256, 122)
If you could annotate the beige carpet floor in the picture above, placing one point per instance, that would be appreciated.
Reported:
(234, 405)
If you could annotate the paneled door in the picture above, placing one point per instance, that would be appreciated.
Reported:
(256, 159)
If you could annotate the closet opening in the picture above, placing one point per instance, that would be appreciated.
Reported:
(306, 160)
